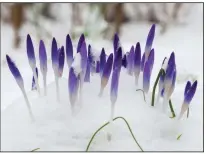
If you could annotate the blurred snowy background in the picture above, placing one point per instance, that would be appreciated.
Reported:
(179, 28)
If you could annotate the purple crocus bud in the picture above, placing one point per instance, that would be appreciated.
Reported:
(30, 52)
(54, 56)
(151, 59)
(107, 70)
(142, 62)
(15, 72)
(97, 67)
(137, 59)
(118, 60)
(42, 58)
(69, 50)
(149, 41)
(171, 59)
(131, 61)
(116, 43)
(146, 77)
(73, 86)
(102, 61)
(187, 87)
(114, 85)
(34, 86)
(61, 61)
(190, 93)
(169, 74)
(81, 40)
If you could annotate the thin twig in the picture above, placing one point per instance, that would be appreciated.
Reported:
(106, 125)
(142, 92)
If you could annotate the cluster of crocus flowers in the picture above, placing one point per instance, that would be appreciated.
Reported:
(189, 93)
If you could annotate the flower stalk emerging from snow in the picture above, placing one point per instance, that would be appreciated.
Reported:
(55, 64)
(130, 130)
(189, 93)
(17, 75)
(32, 59)
(106, 73)
(43, 63)
(115, 83)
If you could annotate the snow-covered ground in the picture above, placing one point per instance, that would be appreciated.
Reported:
(55, 129)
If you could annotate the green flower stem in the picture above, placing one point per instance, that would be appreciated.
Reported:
(142, 92)
(106, 125)
(171, 108)
(155, 85)
(188, 110)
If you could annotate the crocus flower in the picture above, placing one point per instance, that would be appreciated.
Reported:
(30, 52)
(69, 50)
(151, 59)
(61, 61)
(115, 76)
(106, 73)
(149, 41)
(54, 56)
(146, 76)
(15, 72)
(115, 83)
(102, 61)
(32, 59)
(17, 75)
(148, 46)
(55, 64)
(81, 40)
(83, 53)
(131, 61)
(169, 80)
(43, 63)
(73, 85)
(115, 43)
(188, 95)
(137, 62)
(34, 86)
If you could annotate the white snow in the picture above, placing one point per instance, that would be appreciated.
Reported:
(55, 129)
